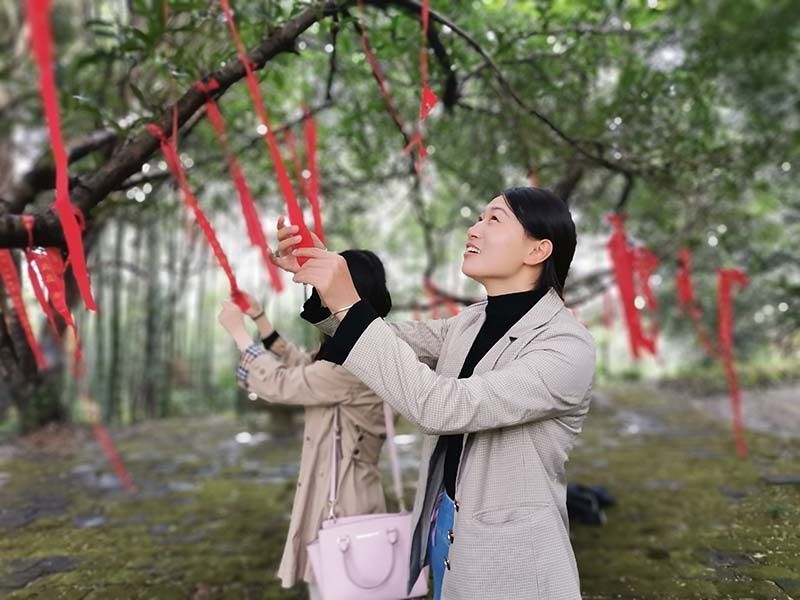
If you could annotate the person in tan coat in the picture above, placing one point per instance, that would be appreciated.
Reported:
(277, 371)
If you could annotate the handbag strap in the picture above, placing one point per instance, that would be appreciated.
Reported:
(336, 452)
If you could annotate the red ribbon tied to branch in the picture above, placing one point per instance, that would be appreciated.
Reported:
(254, 231)
(289, 196)
(727, 279)
(623, 261)
(38, 16)
(176, 168)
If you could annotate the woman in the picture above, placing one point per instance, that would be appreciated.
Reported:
(279, 372)
(501, 410)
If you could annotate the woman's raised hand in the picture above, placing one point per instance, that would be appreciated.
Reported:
(287, 240)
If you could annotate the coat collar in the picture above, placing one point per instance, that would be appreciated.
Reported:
(539, 314)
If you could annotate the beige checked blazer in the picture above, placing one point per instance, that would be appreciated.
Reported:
(520, 413)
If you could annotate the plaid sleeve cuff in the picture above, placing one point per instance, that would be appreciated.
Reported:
(248, 356)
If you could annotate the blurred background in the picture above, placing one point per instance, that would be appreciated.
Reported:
(680, 115)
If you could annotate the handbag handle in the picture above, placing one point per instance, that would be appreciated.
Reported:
(336, 452)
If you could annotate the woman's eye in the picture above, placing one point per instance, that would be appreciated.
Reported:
(495, 219)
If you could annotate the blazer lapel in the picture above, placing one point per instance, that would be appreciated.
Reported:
(454, 359)
(520, 333)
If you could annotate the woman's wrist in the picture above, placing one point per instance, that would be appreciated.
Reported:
(242, 339)
(264, 326)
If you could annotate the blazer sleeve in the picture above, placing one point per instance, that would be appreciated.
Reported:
(424, 337)
(315, 384)
(550, 378)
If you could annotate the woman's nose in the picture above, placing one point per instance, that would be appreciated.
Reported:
(473, 231)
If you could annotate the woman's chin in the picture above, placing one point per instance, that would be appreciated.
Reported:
(470, 272)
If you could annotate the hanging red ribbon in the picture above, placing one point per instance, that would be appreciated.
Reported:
(414, 141)
(254, 230)
(623, 265)
(11, 281)
(38, 16)
(52, 269)
(428, 98)
(687, 301)
(310, 183)
(27, 221)
(176, 168)
(105, 442)
(312, 188)
(646, 264)
(289, 196)
(727, 279)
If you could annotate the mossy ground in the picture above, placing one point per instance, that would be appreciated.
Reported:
(209, 515)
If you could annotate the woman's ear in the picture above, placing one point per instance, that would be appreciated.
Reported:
(539, 252)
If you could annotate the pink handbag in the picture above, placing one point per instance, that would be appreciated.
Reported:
(365, 557)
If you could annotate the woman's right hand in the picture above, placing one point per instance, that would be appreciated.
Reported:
(287, 240)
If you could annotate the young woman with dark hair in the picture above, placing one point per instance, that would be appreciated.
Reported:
(277, 371)
(500, 390)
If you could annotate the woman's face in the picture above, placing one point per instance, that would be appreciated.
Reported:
(499, 253)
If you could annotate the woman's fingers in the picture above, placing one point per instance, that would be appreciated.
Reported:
(285, 245)
(313, 252)
(317, 242)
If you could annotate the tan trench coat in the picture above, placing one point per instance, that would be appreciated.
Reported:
(320, 387)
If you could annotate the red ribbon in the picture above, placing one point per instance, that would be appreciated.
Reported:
(415, 140)
(251, 218)
(309, 186)
(289, 196)
(51, 267)
(312, 189)
(27, 221)
(727, 279)
(11, 281)
(176, 168)
(687, 301)
(622, 260)
(107, 445)
(38, 15)
(428, 98)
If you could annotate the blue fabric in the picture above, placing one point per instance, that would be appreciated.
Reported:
(439, 543)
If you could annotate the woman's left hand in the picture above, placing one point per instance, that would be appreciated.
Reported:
(231, 318)
(328, 273)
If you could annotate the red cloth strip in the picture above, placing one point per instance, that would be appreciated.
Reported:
(688, 303)
(28, 221)
(38, 15)
(622, 261)
(289, 196)
(11, 281)
(312, 189)
(52, 269)
(254, 230)
(175, 166)
(109, 449)
(727, 279)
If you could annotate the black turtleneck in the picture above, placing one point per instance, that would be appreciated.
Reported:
(501, 313)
